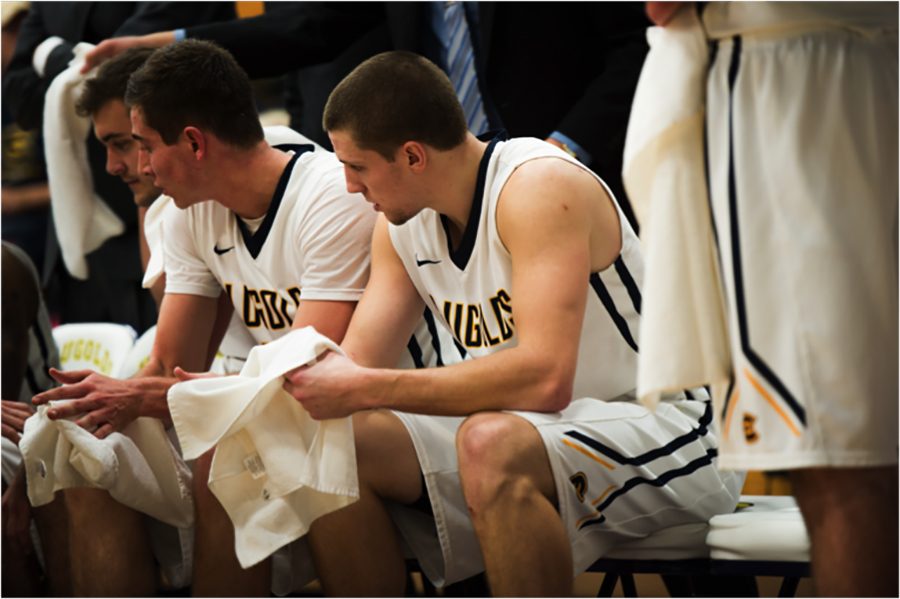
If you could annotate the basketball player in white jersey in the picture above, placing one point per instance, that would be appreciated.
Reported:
(282, 224)
(801, 104)
(115, 558)
(528, 260)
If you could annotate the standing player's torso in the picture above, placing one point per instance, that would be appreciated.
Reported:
(470, 288)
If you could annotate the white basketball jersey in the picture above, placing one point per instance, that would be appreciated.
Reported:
(313, 243)
(470, 289)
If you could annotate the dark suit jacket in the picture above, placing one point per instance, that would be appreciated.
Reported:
(117, 262)
(543, 66)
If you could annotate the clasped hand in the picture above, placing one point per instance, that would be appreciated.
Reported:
(331, 388)
(14, 415)
(97, 401)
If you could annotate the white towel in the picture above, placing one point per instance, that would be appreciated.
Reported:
(683, 337)
(279, 134)
(275, 469)
(139, 466)
(153, 233)
(83, 221)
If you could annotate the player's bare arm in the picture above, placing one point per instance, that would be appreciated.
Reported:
(381, 325)
(558, 226)
(224, 312)
(329, 318)
(113, 47)
(388, 311)
(183, 331)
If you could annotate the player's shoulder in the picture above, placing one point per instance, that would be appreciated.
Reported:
(527, 162)
(543, 185)
(547, 178)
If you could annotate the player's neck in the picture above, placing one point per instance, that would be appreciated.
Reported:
(456, 176)
(249, 179)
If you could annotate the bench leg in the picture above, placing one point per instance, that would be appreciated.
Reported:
(608, 586)
(788, 587)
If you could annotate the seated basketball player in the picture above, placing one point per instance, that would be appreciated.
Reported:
(534, 457)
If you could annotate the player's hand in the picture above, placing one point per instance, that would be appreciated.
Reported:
(334, 387)
(116, 45)
(662, 12)
(97, 402)
(13, 416)
(558, 144)
(16, 514)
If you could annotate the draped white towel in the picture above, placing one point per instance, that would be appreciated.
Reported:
(275, 469)
(83, 221)
(138, 466)
(683, 336)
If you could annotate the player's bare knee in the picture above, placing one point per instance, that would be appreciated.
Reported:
(490, 463)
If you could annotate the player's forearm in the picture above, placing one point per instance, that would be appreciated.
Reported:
(153, 367)
(513, 379)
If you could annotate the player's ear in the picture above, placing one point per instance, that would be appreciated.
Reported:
(414, 155)
(197, 140)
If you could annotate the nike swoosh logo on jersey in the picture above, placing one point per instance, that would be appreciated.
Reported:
(424, 262)
(220, 252)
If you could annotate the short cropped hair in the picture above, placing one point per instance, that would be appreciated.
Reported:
(111, 81)
(395, 97)
(196, 83)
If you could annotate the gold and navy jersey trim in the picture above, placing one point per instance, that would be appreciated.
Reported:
(255, 241)
(415, 352)
(661, 480)
(436, 339)
(606, 299)
(668, 449)
(634, 292)
(749, 353)
(591, 447)
(461, 255)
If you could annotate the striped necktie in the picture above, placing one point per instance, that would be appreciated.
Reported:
(461, 67)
